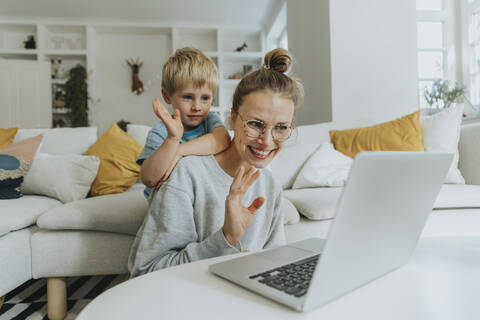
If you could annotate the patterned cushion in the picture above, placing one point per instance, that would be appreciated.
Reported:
(15, 162)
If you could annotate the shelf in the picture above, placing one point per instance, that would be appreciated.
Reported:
(132, 30)
(13, 36)
(60, 110)
(65, 52)
(243, 55)
(19, 51)
(59, 81)
(63, 37)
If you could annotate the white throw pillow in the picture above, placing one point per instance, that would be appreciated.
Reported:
(63, 177)
(289, 161)
(290, 213)
(138, 132)
(327, 167)
(441, 133)
(315, 203)
(61, 140)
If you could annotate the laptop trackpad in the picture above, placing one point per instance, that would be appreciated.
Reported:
(285, 254)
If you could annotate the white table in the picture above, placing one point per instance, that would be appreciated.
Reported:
(441, 281)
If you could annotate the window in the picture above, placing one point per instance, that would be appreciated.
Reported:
(431, 43)
(471, 11)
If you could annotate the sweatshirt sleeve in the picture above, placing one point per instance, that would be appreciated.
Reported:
(168, 235)
(277, 232)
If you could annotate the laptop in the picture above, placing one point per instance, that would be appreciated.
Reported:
(379, 218)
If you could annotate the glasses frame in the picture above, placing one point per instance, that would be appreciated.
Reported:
(291, 127)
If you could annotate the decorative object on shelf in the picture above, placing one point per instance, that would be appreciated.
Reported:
(58, 42)
(235, 76)
(122, 124)
(30, 43)
(247, 68)
(59, 123)
(70, 44)
(441, 96)
(137, 85)
(241, 48)
(238, 75)
(59, 101)
(76, 98)
(57, 68)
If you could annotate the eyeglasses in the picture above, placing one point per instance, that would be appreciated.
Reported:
(256, 128)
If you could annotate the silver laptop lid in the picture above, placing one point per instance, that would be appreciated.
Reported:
(380, 216)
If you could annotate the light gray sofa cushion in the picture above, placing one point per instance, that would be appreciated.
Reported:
(121, 213)
(16, 214)
(15, 261)
(307, 228)
(469, 151)
(77, 253)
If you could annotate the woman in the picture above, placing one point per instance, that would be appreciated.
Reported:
(218, 205)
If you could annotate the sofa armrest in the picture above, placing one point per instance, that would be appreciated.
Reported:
(469, 153)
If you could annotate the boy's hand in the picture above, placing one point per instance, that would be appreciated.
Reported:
(237, 216)
(174, 125)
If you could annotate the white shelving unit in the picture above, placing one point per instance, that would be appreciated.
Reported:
(82, 43)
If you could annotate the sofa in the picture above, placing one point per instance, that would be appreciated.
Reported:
(41, 237)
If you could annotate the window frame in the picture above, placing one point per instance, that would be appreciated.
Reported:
(443, 18)
(466, 10)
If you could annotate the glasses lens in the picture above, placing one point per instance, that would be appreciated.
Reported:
(281, 132)
(254, 128)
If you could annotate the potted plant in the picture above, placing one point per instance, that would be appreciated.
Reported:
(441, 95)
(76, 98)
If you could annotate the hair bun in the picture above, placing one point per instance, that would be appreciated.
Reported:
(278, 60)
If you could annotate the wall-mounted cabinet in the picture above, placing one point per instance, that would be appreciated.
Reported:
(103, 48)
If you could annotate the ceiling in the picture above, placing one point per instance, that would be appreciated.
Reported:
(194, 12)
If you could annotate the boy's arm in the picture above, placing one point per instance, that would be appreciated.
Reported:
(155, 167)
(210, 143)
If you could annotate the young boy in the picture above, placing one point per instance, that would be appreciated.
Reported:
(189, 82)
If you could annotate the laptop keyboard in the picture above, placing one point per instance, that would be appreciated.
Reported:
(293, 278)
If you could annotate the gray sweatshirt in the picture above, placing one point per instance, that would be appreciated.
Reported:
(185, 217)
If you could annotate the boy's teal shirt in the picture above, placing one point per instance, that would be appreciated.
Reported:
(158, 134)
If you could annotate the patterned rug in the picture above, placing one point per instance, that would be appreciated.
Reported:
(29, 301)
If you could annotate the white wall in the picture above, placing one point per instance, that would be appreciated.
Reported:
(113, 77)
(308, 32)
(371, 47)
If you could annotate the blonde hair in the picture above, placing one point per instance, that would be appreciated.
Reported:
(271, 76)
(189, 65)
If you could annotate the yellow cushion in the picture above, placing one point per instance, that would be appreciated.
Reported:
(118, 170)
(402, 134)
(7, 136)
